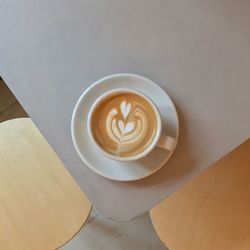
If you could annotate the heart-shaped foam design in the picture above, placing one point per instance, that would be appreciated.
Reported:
(125, 109)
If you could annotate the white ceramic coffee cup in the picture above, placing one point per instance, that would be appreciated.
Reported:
(160, 139)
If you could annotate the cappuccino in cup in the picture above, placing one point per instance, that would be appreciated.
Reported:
(125, 125)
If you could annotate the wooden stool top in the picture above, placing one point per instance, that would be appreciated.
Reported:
(212, 211)
(41, 206)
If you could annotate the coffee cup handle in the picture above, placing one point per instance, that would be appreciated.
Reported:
(166, 142)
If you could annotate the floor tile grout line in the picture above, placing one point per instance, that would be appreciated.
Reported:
(92, 219)
(13, 104)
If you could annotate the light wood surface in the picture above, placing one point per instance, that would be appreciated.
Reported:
(212, 212)
(41, 206)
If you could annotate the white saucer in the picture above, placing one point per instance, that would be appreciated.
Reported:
(115, 170)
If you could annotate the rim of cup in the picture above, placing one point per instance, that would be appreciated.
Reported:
(158, 128)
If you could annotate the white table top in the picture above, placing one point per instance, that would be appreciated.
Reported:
(197, 50)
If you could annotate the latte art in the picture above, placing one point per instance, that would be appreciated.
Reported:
(123, 132)
(124, 124)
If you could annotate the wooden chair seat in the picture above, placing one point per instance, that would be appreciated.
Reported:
(41, 206)
(212, 212)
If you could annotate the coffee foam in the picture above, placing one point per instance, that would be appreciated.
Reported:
(124, 124)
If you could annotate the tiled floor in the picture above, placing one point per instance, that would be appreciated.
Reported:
(103, 234)
(9, 106)
(98, 233)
